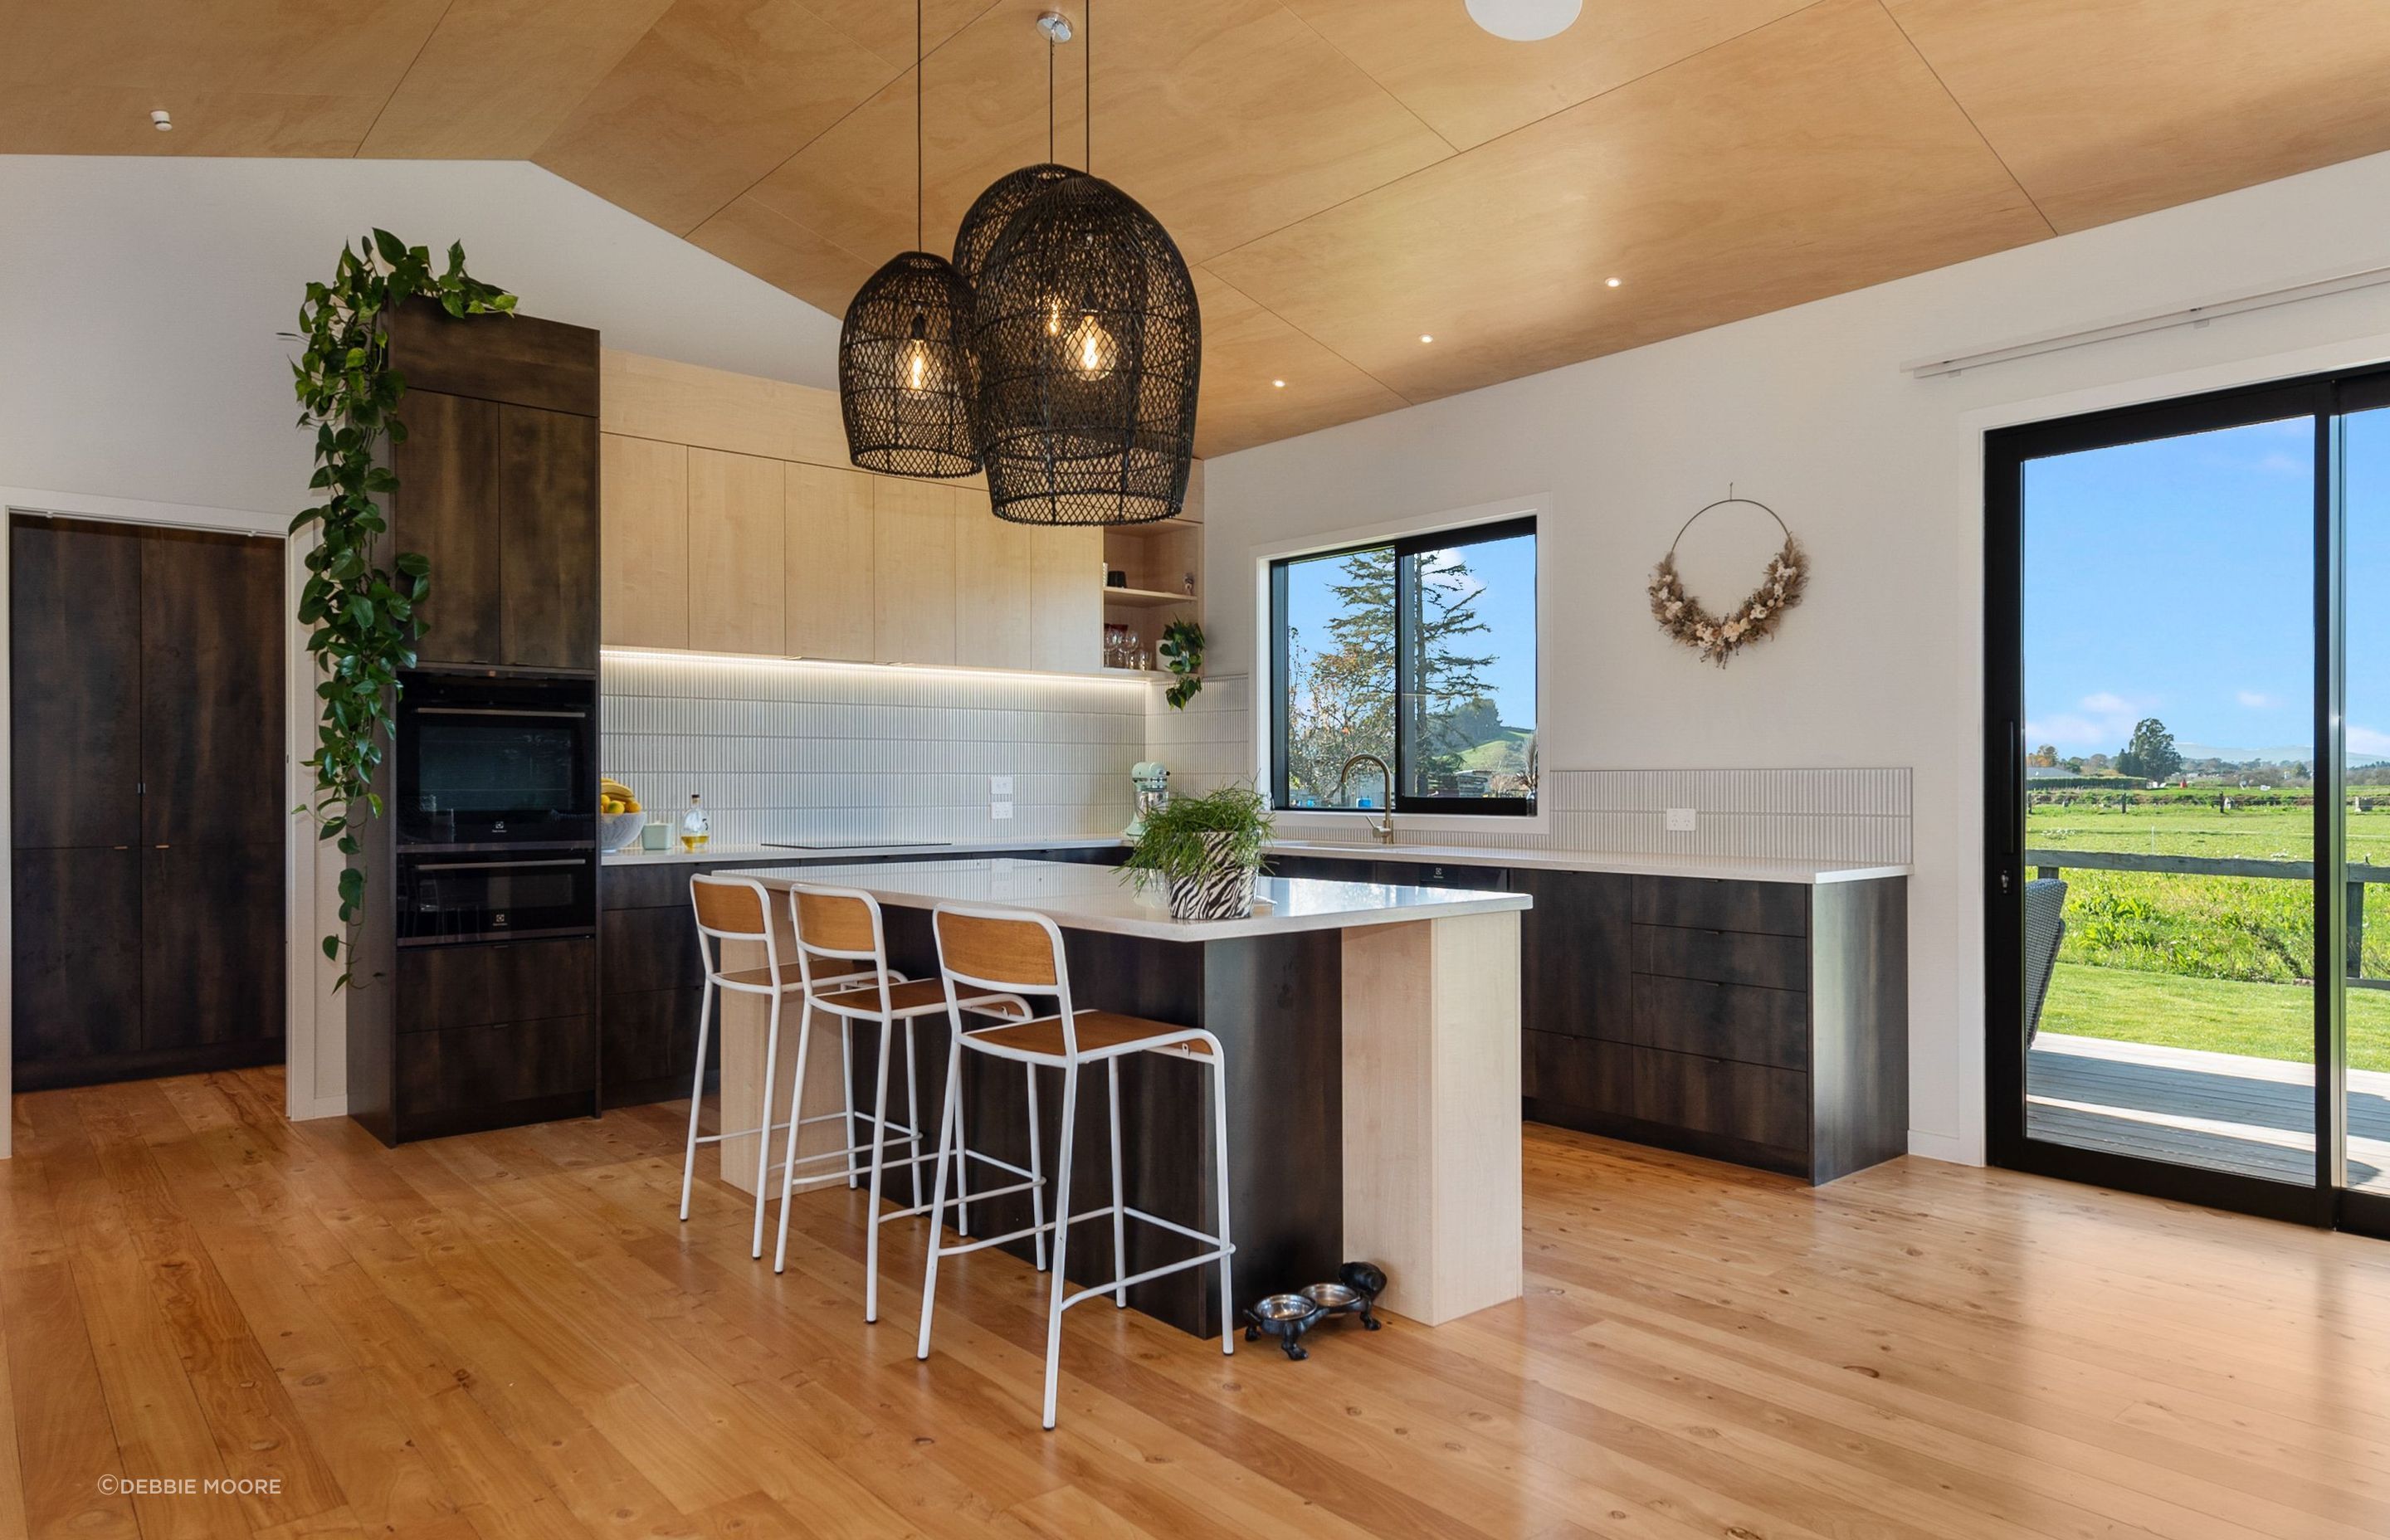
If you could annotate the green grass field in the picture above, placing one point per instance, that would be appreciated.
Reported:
(2221, 1015)
(2206, 962)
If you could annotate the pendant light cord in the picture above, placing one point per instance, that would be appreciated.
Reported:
(920, 71)
(1049, 99)
(1087, 111)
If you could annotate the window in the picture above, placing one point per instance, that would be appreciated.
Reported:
(1420, 651)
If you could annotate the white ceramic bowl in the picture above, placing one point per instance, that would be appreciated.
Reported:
(619, 831)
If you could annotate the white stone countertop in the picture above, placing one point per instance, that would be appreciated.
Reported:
(1738, 868)
(1095, 898)
(930, 851)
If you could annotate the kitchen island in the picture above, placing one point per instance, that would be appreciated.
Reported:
(1372, 1040)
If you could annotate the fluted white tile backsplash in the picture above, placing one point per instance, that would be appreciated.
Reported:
(785, 751)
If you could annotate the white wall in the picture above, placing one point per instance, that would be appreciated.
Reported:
(1881, 476)
(139, 299)
(141, 377)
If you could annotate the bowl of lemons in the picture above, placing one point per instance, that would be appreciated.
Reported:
(620, 817)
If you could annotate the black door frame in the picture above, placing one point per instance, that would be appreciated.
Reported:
(2324, 399)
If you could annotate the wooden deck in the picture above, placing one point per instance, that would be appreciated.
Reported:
(2255, 1116)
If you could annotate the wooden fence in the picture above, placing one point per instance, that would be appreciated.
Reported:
(2050, 862)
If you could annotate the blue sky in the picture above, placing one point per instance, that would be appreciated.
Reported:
(2174, 579)
(1503, 569)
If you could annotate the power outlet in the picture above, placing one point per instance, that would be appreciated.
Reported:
(1680, 820)
(999, 811)
(999, 786)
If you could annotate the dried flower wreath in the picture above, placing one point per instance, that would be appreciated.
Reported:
(1719, 637)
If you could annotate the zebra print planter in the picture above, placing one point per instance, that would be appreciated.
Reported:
(1224, 890)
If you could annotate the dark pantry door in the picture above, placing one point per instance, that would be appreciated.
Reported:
(147, 701)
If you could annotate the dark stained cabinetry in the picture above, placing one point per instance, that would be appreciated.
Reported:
(1763, 1023)
(148, 814)
(498, 490)
(499, 487)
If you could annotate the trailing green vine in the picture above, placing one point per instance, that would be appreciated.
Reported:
(1181, 650)
(361, 613)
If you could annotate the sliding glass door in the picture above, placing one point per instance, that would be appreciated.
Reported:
(2188, 796)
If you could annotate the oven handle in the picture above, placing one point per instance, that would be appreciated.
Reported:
(488, 711)
(493, 865)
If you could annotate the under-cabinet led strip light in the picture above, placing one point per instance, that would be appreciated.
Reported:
(762, 660)
(2190, 316)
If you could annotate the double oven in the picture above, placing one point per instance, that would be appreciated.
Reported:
(497, 817)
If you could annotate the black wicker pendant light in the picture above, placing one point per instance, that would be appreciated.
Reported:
(1090, 346)
(906, 383)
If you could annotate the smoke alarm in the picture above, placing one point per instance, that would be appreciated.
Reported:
(1525, 21)
(162, 120)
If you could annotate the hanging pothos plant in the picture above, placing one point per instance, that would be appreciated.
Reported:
(361, 612)
(1181, 650)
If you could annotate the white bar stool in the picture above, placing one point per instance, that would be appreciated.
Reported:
(737, 910)
(843, 926)
(1007, 950)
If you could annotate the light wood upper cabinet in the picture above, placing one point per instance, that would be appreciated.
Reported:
(914, 526)
(643, 535)
(732, 523)
(738, 519)
(1066, 596)
(832, 574)
(1026, 597)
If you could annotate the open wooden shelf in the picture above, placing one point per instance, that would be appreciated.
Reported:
(1146, 598)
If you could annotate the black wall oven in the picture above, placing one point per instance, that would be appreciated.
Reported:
(496, 783)
(481, 897)
(488, 764)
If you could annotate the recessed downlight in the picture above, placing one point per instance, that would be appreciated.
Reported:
(1611, 283)
(1277, 384)
(1427, 337)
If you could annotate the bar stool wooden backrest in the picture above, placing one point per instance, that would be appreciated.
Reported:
(1007, 952)
(732, 908)
(840, 925)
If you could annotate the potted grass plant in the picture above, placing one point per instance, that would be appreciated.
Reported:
(1206, 851)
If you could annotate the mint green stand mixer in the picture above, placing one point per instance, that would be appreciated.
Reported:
(1152, 779)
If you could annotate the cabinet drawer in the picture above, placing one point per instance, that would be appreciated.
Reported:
(1319, 868)
(651, 949)
(468, 1069)
(1755, 1103)
(1442, 874)
(1755, 1026)
(649, 1037)
(1712, 903)
(1584, 1072)
(657, 887)
(1723, 957)
(507, 980)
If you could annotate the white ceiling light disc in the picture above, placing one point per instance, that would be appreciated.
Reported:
(1525, 21)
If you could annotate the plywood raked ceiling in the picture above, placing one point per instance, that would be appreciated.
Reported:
(1345, 175)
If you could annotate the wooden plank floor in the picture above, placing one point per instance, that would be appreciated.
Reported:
(2225, 1112)
(509, 1335)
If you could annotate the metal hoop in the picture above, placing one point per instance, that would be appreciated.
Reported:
(1722, 502)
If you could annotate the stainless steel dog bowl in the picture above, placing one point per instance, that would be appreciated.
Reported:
(1328, 1296)
(1285, 1308)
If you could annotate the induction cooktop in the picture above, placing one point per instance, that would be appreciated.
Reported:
(855, 844)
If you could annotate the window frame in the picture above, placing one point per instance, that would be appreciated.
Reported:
(1403, 547)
